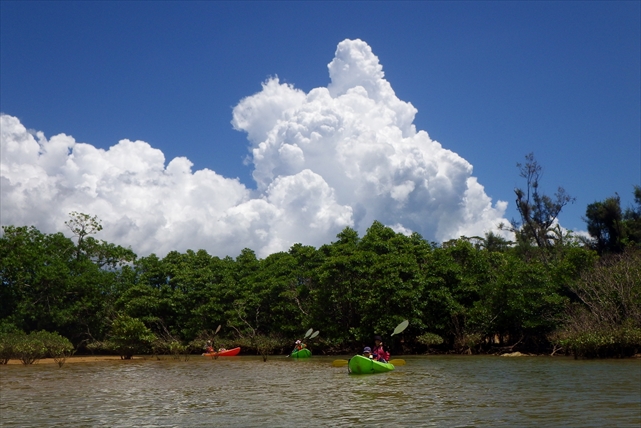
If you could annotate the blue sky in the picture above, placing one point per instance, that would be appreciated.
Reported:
(491, 81)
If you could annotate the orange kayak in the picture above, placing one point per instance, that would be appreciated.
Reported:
(225, 353)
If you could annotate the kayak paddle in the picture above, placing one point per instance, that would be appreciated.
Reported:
(402, 326)
(398, 362)
(343, 363)
(307, 335)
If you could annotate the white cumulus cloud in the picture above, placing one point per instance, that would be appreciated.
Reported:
(342, 155)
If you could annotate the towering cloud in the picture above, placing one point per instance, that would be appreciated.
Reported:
(344, 155)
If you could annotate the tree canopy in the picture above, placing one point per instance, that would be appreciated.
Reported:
(472, 294)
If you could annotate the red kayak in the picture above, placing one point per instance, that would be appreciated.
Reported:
(225, 353)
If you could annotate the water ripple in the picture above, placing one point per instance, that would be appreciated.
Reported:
(244, 391)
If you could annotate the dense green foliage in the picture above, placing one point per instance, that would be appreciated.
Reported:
(29, 348)
(548, 291)
(613, 228)
(472, 296)
(127, 336)
(606, 319)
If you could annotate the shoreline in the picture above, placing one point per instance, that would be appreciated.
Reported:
(78, 359)
(102, 358)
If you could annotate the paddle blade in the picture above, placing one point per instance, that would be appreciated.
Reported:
(308, 333)
(402, 326)
(340, 363)
(218, 329)
(398, 362)
(314, 334)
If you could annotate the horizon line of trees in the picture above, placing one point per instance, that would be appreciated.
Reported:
(547, 292)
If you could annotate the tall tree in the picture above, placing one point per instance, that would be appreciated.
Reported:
(82, 225)
(538, 211)
(632, 218)
(604, 220)
(612, 229)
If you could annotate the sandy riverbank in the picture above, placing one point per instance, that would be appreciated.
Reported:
(79, 359)
(101, 358)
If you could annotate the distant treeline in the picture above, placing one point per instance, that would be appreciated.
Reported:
(548, 292)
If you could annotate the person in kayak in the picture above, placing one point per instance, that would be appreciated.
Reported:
(299, 346)
(379, 353)
(209, 348)
(367, 352)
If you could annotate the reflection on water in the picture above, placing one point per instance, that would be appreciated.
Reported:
(245, 391)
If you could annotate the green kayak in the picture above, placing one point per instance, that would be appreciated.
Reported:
(362, 365)
(303, 353)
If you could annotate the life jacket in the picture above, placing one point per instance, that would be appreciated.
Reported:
(380, 354)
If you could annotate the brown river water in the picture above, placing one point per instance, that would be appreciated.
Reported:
(441, 391)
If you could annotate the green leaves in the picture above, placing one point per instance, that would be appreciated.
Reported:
(612, 229)
(606, 319)
(429, 339)
(127, 336)
(29, 348)
(538, 211)
(471, 294)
